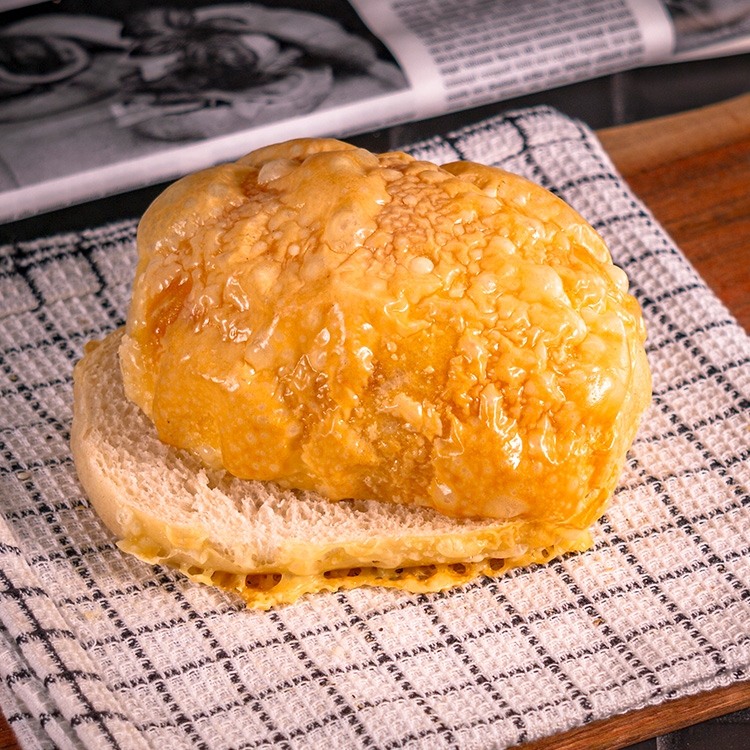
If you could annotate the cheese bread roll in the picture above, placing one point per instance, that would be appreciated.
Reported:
(379, 327)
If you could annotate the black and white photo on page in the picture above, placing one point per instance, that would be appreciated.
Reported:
(130, 78)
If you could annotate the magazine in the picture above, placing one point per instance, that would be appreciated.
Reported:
(96, 103)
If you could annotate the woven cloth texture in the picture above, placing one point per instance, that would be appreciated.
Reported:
(99, 650)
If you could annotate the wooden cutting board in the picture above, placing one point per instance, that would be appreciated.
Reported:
(693, 171)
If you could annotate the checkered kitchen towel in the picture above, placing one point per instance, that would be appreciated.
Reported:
(99, 650)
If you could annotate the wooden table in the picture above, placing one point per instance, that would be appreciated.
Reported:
(693, 172)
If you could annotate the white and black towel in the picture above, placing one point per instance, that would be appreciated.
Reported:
(99, 650)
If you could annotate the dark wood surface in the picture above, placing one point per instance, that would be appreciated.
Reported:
(693, 171)
(7, 740)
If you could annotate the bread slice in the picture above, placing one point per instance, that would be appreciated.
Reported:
(269, 545)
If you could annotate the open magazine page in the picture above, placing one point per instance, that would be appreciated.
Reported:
(95, 102)
(473, 52)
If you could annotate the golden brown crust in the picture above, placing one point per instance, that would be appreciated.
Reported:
(375, 326)
(251, 538)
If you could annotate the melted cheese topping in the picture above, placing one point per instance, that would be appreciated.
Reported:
(374, 326)
(263, 590)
